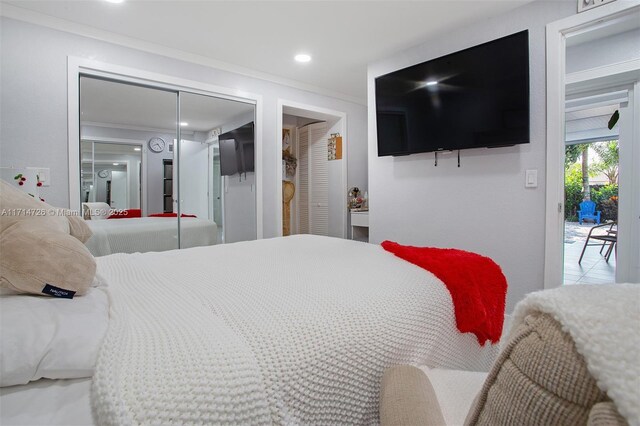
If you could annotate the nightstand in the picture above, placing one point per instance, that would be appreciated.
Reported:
(360, 221)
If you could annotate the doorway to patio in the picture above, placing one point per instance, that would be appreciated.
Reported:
(591, 55)
(590, 237)
(591, 182)
(600, 131)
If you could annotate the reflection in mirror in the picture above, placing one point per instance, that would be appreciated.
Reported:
(126, 166)
(111, 174)
(217, 172)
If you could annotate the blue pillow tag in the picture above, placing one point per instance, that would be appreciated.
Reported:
(54, 291)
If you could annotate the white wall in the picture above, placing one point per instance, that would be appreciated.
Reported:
(33, 83)
(603, 51)
(482, 206)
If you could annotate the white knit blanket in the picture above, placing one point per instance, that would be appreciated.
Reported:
(604, 322)
(294, 330)
(142, 234)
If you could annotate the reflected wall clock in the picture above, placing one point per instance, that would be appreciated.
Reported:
(156, 144)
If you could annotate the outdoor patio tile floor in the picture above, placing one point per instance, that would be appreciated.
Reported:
(594, 268)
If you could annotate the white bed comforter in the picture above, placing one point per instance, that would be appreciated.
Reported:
(143, 234)
(294, 330)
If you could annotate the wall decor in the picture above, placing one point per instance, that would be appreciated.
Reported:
(334, 147)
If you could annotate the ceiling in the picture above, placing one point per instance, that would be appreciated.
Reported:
(261, 37)
(128, 106)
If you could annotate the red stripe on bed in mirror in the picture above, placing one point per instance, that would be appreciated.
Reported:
(125, 214)
(477, 285)
(171, 215)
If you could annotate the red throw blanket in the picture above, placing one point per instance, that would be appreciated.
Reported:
(476, 283)
(126, 214)
(171, 215)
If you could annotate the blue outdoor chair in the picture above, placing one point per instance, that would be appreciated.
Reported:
(588, 211)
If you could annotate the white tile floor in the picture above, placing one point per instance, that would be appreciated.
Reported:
(594, 269)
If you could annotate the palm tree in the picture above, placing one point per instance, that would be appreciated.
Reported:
(572, 152)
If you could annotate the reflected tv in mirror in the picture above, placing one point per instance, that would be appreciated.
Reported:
(478, 97)
(237, 150)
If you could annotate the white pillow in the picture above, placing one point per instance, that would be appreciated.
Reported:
(455, 391)
(97, 210)
(51, 337)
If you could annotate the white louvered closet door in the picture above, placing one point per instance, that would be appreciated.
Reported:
(302, 191)
(313, 180)
(318, 180)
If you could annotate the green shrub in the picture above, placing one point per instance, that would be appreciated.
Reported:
(609, 209)
(600, 193)
(605, 196)
(572, 192)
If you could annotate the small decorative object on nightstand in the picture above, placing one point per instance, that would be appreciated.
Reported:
(355, 198)
(358, 213)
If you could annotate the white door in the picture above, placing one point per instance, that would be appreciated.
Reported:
(216, 185)
(628, 262)
(318, 180)
(302, 191)
(119, 193)
(313, 180)
(194, 187)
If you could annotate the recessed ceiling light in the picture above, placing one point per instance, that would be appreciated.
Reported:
(431, 83)
(114, 1)
(302, 57)
(184, 123)
(137, 149)
(116, 164)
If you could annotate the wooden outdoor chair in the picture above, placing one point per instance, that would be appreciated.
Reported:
(610, 238)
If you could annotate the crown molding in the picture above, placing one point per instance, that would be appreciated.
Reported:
(41, 19)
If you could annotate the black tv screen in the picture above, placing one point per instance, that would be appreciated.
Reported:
(478, 97)
(237, 150)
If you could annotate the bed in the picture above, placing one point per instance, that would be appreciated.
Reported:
(294, 330)
(144, 234)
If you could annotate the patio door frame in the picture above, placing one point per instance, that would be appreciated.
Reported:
(557, 33)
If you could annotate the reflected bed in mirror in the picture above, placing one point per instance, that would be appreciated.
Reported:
(126, 186)
(112, 187)
(143, 234)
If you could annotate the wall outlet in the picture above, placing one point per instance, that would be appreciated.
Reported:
(590, 4)
(44, 176)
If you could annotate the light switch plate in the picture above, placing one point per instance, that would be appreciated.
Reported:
(531, 178)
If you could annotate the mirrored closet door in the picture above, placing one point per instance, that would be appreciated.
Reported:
(126, 132)
(217, 177)
(142, 190)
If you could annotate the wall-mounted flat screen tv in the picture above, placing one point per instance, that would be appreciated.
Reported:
(478, 97)
(237, 150)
